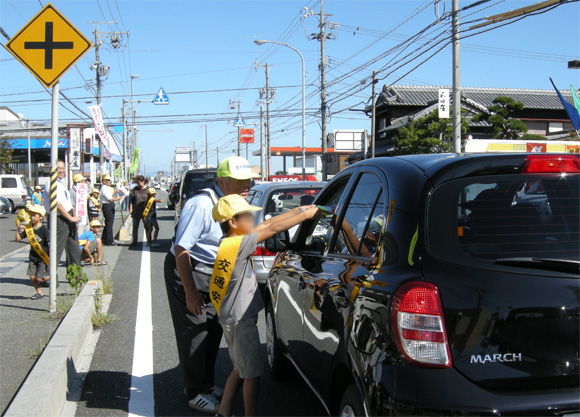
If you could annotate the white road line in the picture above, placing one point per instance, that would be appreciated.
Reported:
(141, 402)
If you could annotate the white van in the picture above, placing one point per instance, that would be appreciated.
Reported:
(13, 188)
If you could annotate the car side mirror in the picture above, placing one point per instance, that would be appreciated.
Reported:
(278, 243)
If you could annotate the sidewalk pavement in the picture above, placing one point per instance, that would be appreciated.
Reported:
(26, 326)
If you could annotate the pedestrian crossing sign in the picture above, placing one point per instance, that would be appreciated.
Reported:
(161, 97)
(239, 122)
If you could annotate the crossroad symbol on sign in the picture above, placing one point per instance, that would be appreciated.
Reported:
(239, 122)
(161, 97)
(48, 45)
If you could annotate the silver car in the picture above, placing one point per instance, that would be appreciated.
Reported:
(276, 198)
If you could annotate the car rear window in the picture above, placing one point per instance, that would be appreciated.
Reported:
(505, 216)
(192, 183)
(281, 201)
(8, 182)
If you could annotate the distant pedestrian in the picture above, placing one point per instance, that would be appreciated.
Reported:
(94, 205)
(66, 219)
(38, 237)
(124, 190)
(137, 201)
(150, 217)
(188, 267)
(90, 244)
(37, 199)
(108, 198)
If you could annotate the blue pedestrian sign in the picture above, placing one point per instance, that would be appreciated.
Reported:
(161, 97)
(239, 122)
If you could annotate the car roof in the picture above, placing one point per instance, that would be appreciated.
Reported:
(267, 186)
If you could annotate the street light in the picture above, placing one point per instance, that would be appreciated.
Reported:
(261, 42)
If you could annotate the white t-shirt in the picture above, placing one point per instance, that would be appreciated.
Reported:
(106, 194)
(62, 195)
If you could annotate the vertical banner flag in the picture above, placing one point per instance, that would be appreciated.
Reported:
(74, 134)
(573, 114)
(100, 128)
(443, 103)
(81, 206)
(134, 161)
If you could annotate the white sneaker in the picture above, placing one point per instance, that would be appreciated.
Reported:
(206, 403)
(217, 392)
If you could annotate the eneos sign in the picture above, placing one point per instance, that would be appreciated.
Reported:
(246, 135)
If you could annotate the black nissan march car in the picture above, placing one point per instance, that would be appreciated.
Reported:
(444, 284)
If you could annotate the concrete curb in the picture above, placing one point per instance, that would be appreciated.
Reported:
(56, 368)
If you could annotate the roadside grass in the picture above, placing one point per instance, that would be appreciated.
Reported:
(99, 319)
(63, 305)
(35, 352)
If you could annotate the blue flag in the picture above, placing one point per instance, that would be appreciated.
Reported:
(570, 109)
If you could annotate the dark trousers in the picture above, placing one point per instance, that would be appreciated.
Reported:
(198, 337)
(109, 215)
(136, 221)
(67, 240)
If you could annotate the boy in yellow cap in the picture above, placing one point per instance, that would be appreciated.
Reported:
(38, 237)
(37, 199)
(234, 291)
(150, 217)
(90, 242)
(94, 205)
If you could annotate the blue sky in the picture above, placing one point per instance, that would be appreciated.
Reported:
(197, 49)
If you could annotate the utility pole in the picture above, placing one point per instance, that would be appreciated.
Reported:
(261, 142)
(102, 71)
(217, 151)
(239, 103)
(206, 149)
(456, 120)
(322, 36)
(373, 119)
(124, 141)
(268, 142)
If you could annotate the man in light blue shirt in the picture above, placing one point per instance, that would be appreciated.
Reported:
(188, 268)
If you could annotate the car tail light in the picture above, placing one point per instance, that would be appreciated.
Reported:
(262, 251)
(418, 325)
(544, 164)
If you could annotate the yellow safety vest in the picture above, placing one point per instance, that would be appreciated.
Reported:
(223, 269)
(148, 207)
(35, 245)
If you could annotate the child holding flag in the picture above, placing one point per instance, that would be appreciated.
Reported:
(234, 291)
(150, 217)
(38, 237)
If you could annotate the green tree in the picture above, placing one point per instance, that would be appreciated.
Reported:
(428, 134)
(5, 152)
(500, 116)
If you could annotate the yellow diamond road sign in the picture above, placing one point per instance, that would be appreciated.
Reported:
(48, 45)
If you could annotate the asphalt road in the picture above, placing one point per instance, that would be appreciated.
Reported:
(106, 390)
(7, 233)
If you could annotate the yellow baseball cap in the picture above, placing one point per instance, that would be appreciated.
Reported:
(96, 190)
(78, 178)
(37, 209)
(95, 223)
(38, 187)
(237, 168)
(151, 191)
(106, 177)
(231, 205)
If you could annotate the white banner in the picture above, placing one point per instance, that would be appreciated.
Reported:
(100, 128)
(75, 148)
(443, 103)
(81, 203)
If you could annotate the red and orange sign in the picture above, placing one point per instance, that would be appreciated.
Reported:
(246, 135)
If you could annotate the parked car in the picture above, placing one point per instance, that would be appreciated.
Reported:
(173, 195)
(191, 182)
(5, 206)
(276, 198)
(14, 189)
(438, 288)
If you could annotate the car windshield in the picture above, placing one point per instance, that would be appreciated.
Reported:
(281, 201)
(501, 217)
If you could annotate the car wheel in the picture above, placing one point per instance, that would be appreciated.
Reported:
(278, 364)
(12, 208)
(352, 403)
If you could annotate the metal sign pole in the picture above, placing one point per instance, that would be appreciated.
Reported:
(53, 163)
